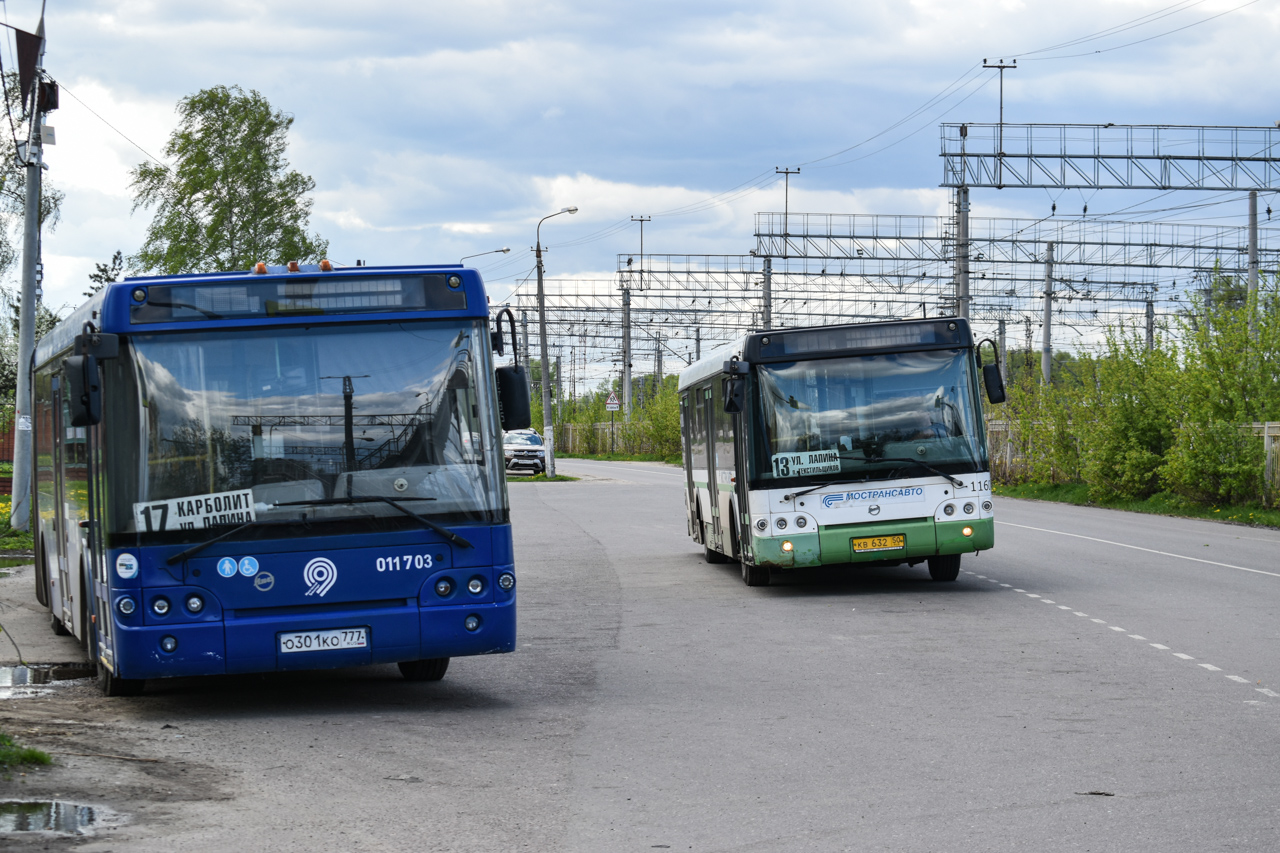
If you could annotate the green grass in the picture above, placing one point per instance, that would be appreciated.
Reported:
(11, 754)
(1162, 503)
(542, 478)
(622, 457)
(10, 538)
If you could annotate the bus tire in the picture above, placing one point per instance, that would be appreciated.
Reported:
(944, 567)
(113, 686)
(431, 669)
(753, 575)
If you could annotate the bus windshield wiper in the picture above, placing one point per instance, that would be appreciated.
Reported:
(955, 482)
(396, 503)
(200, 546)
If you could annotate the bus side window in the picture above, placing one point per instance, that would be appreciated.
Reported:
(722, 434)
(698, 440)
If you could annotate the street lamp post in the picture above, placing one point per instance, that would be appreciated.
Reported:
(504, 250)
(548, 427)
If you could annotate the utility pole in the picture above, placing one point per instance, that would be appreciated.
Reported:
(528, 376)
(626, 354)
(1151, 324)
(548, 426)
(1001, 351)
(786, 206)
(697, 343)
(962, 251)
(1000, 127)
(766, 313)
(657, 357)
(1046, 347)
(559, 381)
(1253, 259)
(31, 157)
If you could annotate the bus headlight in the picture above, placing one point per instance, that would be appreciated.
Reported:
(475, 586)
(949, 509)
(968, 509)
(444, 586)
(986, 506)
(195, 603)
(967, 531)
(782, 524)
(472, 623)
(160, 606)
(169, 644)
(506, 581)
(127, 606)
(762, 525)
(801, 521)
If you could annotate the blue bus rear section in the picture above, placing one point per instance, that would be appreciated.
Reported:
(417, 591)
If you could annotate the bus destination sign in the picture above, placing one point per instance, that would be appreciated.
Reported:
(195, 511)
(806, 463)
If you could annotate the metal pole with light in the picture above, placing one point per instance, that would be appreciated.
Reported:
(503, 250)
(548, 428)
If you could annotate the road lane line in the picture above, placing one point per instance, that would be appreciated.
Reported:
(1063, 607)
(1032, 595)
(1210, 667)
(1114, 628)
(1137, 636)
(1181, 655)
(1265, 692)
(1046, 601)
(1099, 621)
(1137, 548)
(1238, 679)
(1078, 613)
(1006, 586)
(1158, 646)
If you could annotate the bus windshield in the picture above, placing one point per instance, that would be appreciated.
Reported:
(291, 419)
(866, 417)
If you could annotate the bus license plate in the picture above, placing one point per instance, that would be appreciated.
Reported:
(879, 543)
(323, 641)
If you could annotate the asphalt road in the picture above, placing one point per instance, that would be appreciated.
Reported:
(656, 702)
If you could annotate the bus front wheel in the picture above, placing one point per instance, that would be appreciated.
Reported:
(753, 575)
(944, 567)
(431, 669)
(113, 686)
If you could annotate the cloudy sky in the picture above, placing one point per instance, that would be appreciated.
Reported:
(436, 130)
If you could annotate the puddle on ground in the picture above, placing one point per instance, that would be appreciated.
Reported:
(48, 816)
(17, 681)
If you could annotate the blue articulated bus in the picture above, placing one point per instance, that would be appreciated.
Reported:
(286, 468)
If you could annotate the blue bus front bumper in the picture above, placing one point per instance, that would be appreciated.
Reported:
(251, 644)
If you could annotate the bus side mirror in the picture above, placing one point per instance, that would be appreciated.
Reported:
(994, 382)
(514, 409)
(735, 394)
(84, 390)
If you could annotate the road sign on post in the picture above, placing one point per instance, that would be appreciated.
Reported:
(612, 404)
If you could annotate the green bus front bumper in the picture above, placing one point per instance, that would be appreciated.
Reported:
(829, 545)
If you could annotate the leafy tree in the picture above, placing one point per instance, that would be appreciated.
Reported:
(230, 199)
(105, 274)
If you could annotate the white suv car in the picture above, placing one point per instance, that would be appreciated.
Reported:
(524, 451)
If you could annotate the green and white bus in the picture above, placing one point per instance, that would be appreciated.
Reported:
(857, 444)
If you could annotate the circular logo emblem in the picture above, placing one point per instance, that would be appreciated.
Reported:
(227, 567)
(248, 567)
(127, 566)
(264, 581)
(321, 574)
(874, 509)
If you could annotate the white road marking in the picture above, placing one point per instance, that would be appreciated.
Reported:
(1114, 628)
(993, 580)
(1137, 636)
(1005, 585)
(1136, 548)
(1032, 595)
(1158, 646)
(1078, 613)
(1046, 601)
(1238, 679)
(1210, 667)
(1099, 621)
(984, 577)
(1181, 655)
(591, 465)
(1265, 692)
(1063, 607)
(1019, 590)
